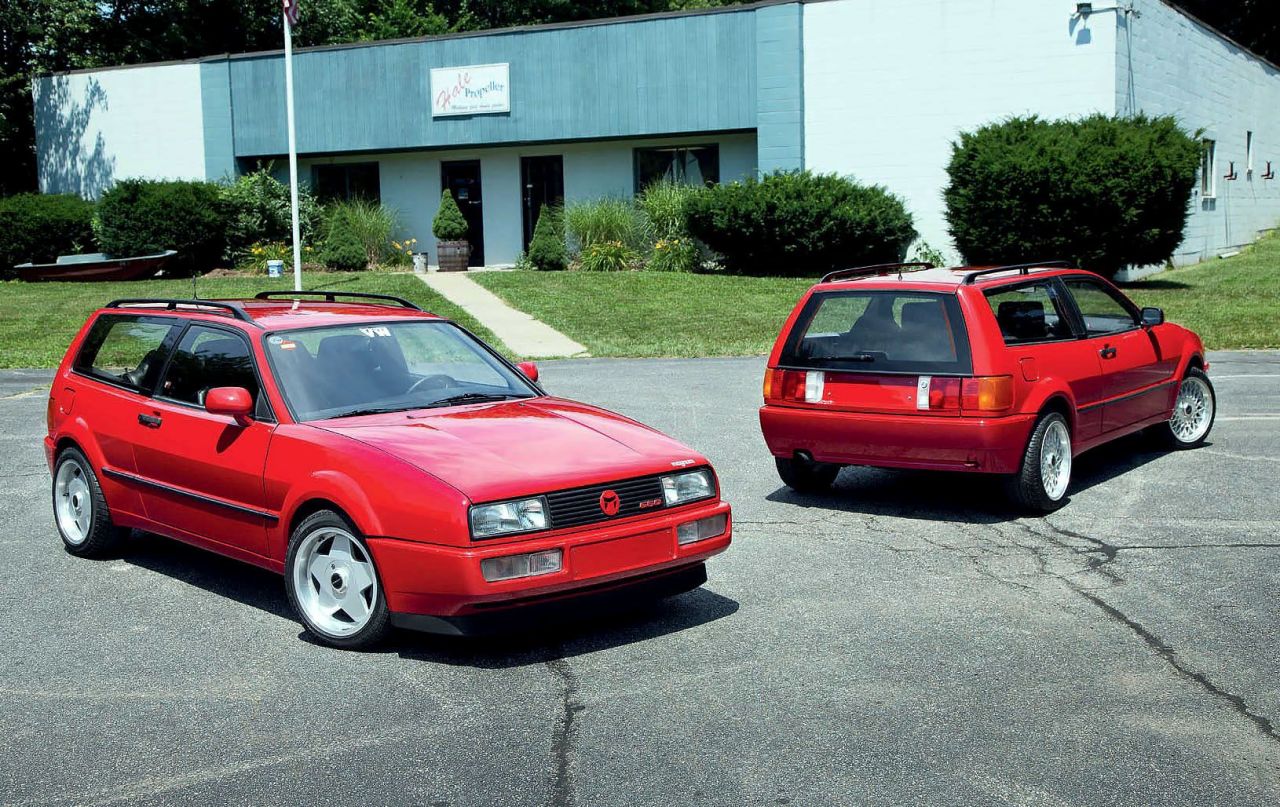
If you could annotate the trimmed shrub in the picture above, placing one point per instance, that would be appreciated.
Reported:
(607, 256)
(603, 221)
(800, 223)
(343, 250)
(1102, 192)
(546, 249)
(38, 228)
(258, 211)
(449, 225)
(143, 217)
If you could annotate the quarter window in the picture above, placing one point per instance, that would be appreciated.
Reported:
(126, 350)
(1103, 311)
(208, 358)
(1030, 313)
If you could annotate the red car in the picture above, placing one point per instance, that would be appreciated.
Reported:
(393, 467)
(1002, 370)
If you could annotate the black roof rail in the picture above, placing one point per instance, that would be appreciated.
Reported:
(331, 296)
(873, 269)
(1022, 269)
(171, 304)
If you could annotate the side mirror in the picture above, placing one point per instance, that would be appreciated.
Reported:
(1152, 316)
(233, 401)
(529, 369)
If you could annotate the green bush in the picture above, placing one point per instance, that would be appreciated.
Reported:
(258, 211)
(1101, 192)
(372, 224)
(449, 225)
(343, 250)
(800, 223)
(665, 206)
(607, 256)
(674, 255)
(143, 217)
(602, 221)
(39, 228)
(546, 250)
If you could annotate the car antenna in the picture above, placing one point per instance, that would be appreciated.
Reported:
(194, 296)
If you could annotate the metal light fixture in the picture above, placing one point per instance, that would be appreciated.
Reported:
(1084, 9)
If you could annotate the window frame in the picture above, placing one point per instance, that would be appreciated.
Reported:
(635, 162)
(263, 411)
(346, 168)
(1208, 168)
(166, 345)
(1135, 313)
(1248, 153)
(1069, 312)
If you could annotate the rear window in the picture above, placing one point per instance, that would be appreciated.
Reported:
(919, 333)
(125, 349)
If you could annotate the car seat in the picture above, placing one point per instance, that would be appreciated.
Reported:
(1022, 320)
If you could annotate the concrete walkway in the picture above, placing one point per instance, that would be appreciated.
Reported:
(521, 333)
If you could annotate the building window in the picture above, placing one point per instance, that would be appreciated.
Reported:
(346, 181)
(685, 165)
(1248, 155)
(1208, 169)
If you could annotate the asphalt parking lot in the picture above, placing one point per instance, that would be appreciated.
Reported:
(905, 640)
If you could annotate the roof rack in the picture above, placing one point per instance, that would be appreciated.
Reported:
(874, 269)
(1022, 269)
(171, 304)
(331, 296)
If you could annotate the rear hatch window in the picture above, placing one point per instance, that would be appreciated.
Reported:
(879, 332)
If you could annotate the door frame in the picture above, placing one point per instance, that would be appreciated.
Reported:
(475, 227)
(527, 219)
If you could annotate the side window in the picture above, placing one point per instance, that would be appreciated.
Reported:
(1102, 311)
(1030, 313)
(125, 349)
(207, 358)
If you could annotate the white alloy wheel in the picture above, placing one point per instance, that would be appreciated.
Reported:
(1055, 460)
(335, 582)
(1193, 412)
(73, 502)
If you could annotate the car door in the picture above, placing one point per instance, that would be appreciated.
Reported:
(1133, 375)
(203, 473)
(1038, 327)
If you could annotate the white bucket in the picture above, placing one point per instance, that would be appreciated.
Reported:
(275, 268)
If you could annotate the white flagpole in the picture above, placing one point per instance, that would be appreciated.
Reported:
(293, 153)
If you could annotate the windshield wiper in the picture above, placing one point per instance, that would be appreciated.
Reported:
(372, 410)
(474, 397)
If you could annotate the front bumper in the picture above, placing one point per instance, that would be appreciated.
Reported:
(989, 445)
(445, 582)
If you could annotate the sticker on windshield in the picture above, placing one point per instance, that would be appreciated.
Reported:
(275, 340)
(377, 330)
(286, 344)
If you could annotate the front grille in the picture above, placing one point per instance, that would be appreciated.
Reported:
(578, 506)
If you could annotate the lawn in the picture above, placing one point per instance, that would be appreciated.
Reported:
(38, 320)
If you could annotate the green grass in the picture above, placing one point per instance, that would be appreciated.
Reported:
(1232, 303)
(654, 313)
(38, 320)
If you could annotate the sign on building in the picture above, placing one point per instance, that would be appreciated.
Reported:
(476, 89)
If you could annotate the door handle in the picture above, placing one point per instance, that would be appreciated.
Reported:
(1107, 352)
(150, 421)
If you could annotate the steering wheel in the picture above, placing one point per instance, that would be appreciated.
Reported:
(443, 380)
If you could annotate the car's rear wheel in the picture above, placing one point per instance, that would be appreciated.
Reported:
(333, 584)
(1193, 412)
(805, 475)
(80, 509)
(1041, 484)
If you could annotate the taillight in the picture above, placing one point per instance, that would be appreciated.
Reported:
(794, 385)
(987, 394)
(944, 394)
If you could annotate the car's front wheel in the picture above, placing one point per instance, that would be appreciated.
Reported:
(1193, 412)
(80, 509)
(333, 584)
(1041, 484)
(806, 476)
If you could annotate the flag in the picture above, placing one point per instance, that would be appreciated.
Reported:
(290, 12)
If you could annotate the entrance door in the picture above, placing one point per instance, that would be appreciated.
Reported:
(542, 183)
(462, 179)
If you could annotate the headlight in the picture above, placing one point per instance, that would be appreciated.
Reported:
(687, 487)
(525, 515)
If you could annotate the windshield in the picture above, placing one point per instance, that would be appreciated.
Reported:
(880, 332)
(387, 367)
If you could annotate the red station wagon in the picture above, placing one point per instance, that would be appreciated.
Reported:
(393, 467)
(1002, 370)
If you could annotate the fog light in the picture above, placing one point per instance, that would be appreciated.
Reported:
(509, 567)
(701, 529)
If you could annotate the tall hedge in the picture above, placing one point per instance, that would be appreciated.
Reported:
(800, 223)
(142, 217)
(38, 228)
(1102, 192)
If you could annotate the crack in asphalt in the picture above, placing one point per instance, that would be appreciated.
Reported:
(564, 734)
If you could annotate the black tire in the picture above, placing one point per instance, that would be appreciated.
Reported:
(101, 538)
(378, 625)
(805, 476)
(1027, 488)
(1169, 436)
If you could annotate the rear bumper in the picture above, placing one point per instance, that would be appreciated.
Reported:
(445, 584)
(987, 445)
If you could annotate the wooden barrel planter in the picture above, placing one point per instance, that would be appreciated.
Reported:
(454, 255)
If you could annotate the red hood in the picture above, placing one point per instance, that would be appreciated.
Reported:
(502, 450)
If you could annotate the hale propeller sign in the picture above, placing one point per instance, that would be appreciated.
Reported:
(477, 89)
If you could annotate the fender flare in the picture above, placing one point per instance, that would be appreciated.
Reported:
(331, 486)
(1047, 390)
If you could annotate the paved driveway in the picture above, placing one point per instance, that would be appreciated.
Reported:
(902, 641)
